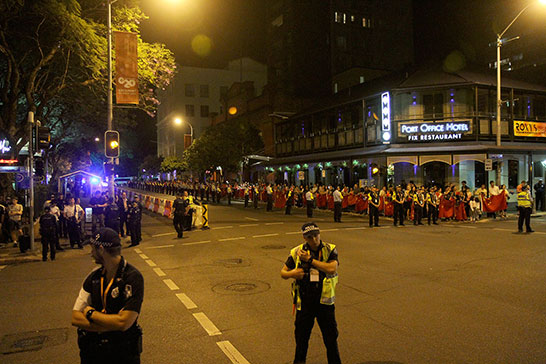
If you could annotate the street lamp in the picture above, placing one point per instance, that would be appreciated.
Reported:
(500, 42)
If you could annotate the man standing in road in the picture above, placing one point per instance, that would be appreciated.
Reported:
(48, 231)
(373, 205)
(525, 207)
(398, 200)
(310, 202)
(338, 198)
(180, 206)
(269, 192)
(313, 267)
(98, 203)
(539, 195)
(135, 217)
(108, 306)
(123, 206)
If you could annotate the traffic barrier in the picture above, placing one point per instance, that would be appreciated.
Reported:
(156, 204)
(168, 208)
(161, 208)
(205, 215)
(147, 202)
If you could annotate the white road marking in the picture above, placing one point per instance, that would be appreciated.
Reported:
(138, 251)
(264, 235)
(186, 301)
(160, 246)
(222, 227)
(356, 228)
(499, 229)
(246, 225)
(172, 286)
(2, 266)
(207, 324)
(151, 263)
(251, 219)
(328, 230)
(228, 239)
(163, 234)
(469, 227)
(143, 256)
(233, 354)
(274, 223)
(198, 242)
(293, 233)
(159, 272)
(539, 232)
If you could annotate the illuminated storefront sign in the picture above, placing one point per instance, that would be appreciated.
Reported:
(4, 146)
(529, 129)
(5, 155)
(434, 131)
(386, 118)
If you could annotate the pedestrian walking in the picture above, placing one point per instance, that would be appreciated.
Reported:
(108, 305)
(313, 268)
(525, 207)
(338, 199)
(48, 230)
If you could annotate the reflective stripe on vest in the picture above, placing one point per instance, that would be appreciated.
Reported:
(524, 200)
(328, 295)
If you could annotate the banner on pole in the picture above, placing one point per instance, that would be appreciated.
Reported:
(126, 68)
(187, 141)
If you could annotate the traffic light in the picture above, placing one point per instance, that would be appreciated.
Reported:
(44, 137)
(375, 169)
(111, 144)
(39, 167)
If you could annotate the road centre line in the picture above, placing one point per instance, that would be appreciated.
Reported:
(469, 227)
(163, 234)
(293, 233)
(247, 225)
(160, 246)
(228, 239)
(186, 301)
(151, 263)
(144, 256)
(198, 242)
(274, 223)
(222, 227)
(207, 324)
(251, 218)
(356, 228)
(138, 251)
(233, 354)
(159, 272)
(500, 229)
(264, 235)
(172, 286)
(328, 230)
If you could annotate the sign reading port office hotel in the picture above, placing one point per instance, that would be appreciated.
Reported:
(435, 131)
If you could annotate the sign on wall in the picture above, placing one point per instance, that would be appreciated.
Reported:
(529, 129)
(434, 131)
(386, 118)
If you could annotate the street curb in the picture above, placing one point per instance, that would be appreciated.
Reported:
(23, 258)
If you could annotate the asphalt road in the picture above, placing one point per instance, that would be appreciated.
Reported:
(453, 293)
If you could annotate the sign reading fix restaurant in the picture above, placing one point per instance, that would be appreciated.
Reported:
(529, 129)
(434, 131)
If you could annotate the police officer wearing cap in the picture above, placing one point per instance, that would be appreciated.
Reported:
(108, 306)
(180, 206)
(373, 205)
(313, 268)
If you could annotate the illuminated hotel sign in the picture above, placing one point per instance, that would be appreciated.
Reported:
(4, 146)
(529, 129)
(386, 118)
(434, 131)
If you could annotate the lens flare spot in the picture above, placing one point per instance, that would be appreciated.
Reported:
(201, 45)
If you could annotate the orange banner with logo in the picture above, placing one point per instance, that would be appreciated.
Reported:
(126, 68)
(529, 129)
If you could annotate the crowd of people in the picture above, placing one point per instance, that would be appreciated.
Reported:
(404, 202)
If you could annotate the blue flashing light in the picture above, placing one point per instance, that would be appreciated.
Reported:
(94, 180)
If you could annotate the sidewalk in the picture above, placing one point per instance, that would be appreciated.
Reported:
(12, 255)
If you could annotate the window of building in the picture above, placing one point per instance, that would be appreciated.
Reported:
(361, 79)
(433, 106)
(223, 91)
(352, 18)
(341, 42)
(204, 111)
(335, 87)
(204, 91)
(190, 110)
(189, 90)
(513, 167)
(340, 17)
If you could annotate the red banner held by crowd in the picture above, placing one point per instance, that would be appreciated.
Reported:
(495, 203)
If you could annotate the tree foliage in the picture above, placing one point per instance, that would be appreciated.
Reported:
(53, 61)
(173, 163)
(151, 164)
(224, 146)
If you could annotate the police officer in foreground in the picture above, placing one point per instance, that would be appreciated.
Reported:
(313, 266)
(108, 306)
(179, 210)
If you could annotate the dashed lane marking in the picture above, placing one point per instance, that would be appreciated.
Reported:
(151, 263)
(207, 324)
(539, 232)
(143, 256)
(138, 251)
(328, 230)
(251, 219)
(2, 266)
(172, 286)
(186, 301)
(198, 242)
(247, 225)
(232, 353)
(163, 234)
(159, 272)
(222, 227)
(469, 227)
(229, 239)
(293, 233)
(499, 229)
(264, 235)
(160, 246)
(274, 223)
(356, 228)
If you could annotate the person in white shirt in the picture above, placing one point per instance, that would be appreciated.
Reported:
(493, 191)
(73, 214)
(338, 198)
(269, 192)
(475, 211)
(15, 212)
(310, 201)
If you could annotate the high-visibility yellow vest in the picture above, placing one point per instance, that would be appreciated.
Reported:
(524, 200)
(328, 295)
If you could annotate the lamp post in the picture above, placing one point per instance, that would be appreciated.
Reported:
(110, 104)
(500, 42)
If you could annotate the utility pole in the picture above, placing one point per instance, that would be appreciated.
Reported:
(110, 106)
(31, 178)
